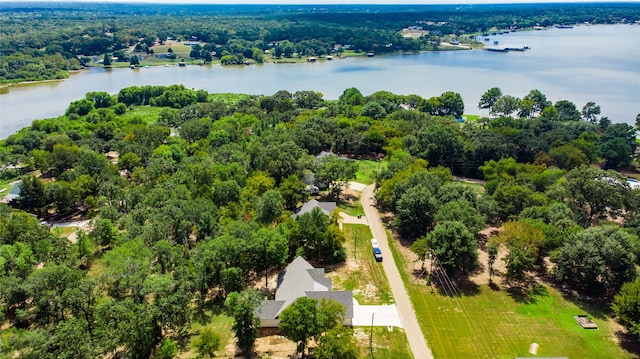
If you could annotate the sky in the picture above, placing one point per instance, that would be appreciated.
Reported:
(310, 2)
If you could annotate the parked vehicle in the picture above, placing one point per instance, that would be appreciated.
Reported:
(377, 253)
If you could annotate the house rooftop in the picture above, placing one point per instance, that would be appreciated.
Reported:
(301, 279)
(326, 207)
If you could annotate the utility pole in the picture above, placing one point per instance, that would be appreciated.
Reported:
(371, 337)
(355, 240)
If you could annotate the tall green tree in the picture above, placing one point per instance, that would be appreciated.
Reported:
(454, 246)
(489, 98)
(598, 260)
(626, 306)
(335, 173)
(245, 323)
(305, 318)
(106, 60)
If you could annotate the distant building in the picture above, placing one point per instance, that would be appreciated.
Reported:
(301, 279)
(13, 194)
(326, 207)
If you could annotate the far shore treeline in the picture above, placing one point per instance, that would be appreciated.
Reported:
(191, 196)
(46, 40)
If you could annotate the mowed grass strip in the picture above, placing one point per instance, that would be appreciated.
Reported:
(488, 323)
(367, 170)
(363, 275)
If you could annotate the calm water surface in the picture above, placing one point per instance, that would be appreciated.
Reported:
(586, 63)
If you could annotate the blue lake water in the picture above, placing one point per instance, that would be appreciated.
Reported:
(586, 63)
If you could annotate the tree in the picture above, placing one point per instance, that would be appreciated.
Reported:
(593, 193)
(207, 343)
(617, 145)
(505, 105)
(317, 235)
(335, 172)
(539, 100)
(374, 110)
(352, 96)
(293, 192)
(269, 206)
(454, 246)
(245, 323)
(269, 250)
(32, 194)
(492, 251)
(567, 111)
(461, 211)
(305, 318)
(598, 260)
(337, 343)
(134, 61)
(441, 145)
(106, 60)
(167, 350)
(626, 306)
(489, 98)
(590, 111)
(415, 211)
(452, 104)
(568, 156)
(523, 242)
(127, 266)
(308, 99)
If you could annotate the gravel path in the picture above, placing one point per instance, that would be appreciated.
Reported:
(416, 339)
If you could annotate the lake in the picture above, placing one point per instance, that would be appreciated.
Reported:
(586, 63)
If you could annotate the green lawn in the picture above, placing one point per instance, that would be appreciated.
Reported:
(385, 344)
(351, 209)
(367, 280)
(219, 323)
(471, 117)
(491, 323)
(367, 170)
(148, 114)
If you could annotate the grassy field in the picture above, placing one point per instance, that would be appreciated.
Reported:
(490, 323)
(385, 344)
(363, 275)
(471, 117)
(219, 323)
(351, 209)
(367, 170)
(148, 114)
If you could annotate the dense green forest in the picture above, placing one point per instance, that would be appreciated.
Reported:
(191, 196)
(43, 41)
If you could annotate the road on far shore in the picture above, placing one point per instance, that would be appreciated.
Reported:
(417, 341)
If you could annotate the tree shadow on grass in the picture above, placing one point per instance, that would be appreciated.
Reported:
(596, 307)
(462, 285)
(628, 342)
(526, 293)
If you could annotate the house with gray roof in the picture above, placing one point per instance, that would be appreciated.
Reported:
(301, 279)
(326, 207)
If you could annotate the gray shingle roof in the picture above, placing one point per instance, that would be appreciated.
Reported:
(300, 279)
(344, 297)
(269, 309)
(326, 207)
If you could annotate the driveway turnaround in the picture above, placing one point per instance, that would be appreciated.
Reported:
(383, 315)
(416, 339)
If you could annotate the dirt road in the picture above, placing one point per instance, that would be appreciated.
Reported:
(417, 341)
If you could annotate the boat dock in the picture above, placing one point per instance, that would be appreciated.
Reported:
(506, 48)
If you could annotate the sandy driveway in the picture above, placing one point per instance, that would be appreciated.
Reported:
(416, 339)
